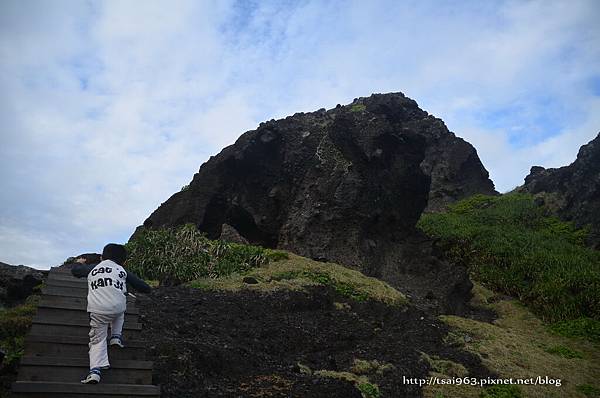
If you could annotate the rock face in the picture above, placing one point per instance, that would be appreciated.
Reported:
(230, 234)
(573, 191)
(17, 283)
(455, 169)
(346, 185)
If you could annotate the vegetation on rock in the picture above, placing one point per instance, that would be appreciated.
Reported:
(177, 255)
(513, 245)
(14, 325)
(296, 273)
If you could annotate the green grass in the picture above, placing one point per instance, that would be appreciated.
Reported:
(564, 351)
(588, 390)
(185, 255)
(502, 391)
(177, 255)
(345, 289)
(360, 381)
(369, 390)
(358, 108)
(512, 245)
(298, 273)
(581, 327)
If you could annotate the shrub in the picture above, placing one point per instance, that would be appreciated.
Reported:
(176, 255)
(512, 245)
(369, 390)
(14, 324)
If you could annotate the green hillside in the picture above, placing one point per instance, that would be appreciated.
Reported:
(512, 245)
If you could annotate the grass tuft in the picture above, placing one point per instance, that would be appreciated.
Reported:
(365, 367)
(502, 391)
(361, 382)
(369, 390)
(177, 255)
(564, 352)
(358, 108)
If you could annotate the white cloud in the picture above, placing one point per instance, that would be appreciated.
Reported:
(24, 246)
(107, 108)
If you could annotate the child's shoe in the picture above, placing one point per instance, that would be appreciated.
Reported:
(116, 340)
(93, 377)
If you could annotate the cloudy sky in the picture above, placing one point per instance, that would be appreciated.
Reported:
(107, 108)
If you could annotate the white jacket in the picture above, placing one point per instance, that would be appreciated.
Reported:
(107, 290)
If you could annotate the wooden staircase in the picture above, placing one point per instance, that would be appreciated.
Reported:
(56, 349)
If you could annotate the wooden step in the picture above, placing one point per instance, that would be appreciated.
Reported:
(33, 338)
(80, 292)
(67, 291)
(66, 278)
(78, 322)
(82, 329)
(67, 283)
(65, 316)
(77, 347)
(74, 303)
(75, 285)
(66, 270)
(43, 389)
(56, 349)
(74, 369)
(60, 270)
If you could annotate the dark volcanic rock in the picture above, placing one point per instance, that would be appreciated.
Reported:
(346, 185)
(454, 166)
(17, 283)
(572, 191)
(249, 344)
(229, 234)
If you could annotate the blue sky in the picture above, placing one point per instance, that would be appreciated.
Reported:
(107, 108)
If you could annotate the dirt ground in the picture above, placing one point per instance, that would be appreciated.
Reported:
(248, 344)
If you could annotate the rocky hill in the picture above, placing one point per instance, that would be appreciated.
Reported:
(346, 185)
(17, 283)
(572, 191)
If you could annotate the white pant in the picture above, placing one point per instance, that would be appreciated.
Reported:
(98, 334)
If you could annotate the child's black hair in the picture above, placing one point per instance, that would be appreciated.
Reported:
(114, 252)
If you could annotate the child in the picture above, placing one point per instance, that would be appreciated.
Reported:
(107, 301)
